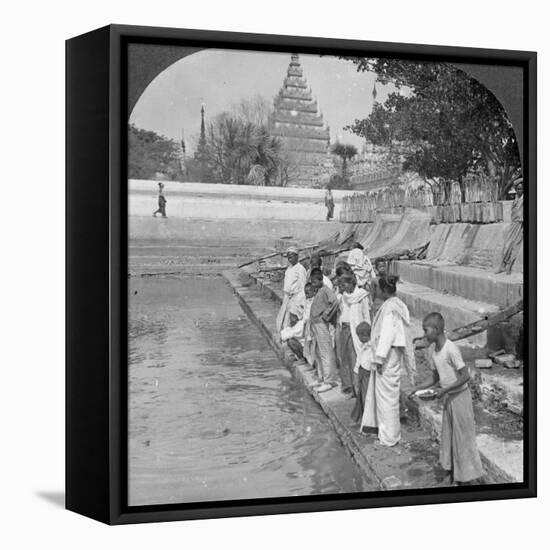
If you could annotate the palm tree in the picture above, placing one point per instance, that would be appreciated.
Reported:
(268, 155)
(234, 146)
(345, 152)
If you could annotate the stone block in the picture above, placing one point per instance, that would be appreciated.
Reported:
(456, 311)
(471, 283)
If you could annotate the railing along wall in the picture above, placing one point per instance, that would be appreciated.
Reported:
(481, 205)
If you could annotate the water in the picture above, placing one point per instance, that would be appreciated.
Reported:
(213, 414)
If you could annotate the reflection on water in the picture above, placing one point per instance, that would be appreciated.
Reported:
(213, 414)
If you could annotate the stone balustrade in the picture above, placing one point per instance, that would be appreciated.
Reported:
(355, 210)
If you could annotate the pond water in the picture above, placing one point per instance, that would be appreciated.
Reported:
(213, 414)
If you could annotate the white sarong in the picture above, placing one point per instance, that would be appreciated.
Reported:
(392, 346)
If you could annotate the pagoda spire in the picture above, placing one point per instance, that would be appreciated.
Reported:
(201, 146)
(203, 132)
(201, 154)
(182, 158)
(297, 122)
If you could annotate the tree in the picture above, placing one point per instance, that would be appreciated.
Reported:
(445, 123)
(234, 147)
(336, 181)
(256, 109)
(345, 152)
(151, 156)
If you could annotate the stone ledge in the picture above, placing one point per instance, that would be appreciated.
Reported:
(456, 310)
(468, 282)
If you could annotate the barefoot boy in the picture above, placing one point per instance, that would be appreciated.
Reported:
(323, 310)
(458, 453)
(363, 366)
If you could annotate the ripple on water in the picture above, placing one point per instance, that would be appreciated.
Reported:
(213, 414)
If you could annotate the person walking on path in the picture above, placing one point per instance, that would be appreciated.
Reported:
(393, 351)
(162, 202)
(458, 453)
(329, 203)
(294, 296)
(514, 235)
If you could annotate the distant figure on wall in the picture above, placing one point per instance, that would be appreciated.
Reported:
(329, 203)
(162, 202)
(514, 235)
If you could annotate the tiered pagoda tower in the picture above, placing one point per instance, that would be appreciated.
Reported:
(298, 123)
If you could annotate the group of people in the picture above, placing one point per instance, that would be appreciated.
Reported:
(354, 333)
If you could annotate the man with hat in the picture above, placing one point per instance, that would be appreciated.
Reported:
(161, 201)
(294, 296)
(329, 203)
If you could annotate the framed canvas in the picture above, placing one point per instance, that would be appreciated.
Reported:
(301, 274)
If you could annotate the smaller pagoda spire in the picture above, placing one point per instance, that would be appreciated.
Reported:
(182, 157)
(201, 146)
(203, 131)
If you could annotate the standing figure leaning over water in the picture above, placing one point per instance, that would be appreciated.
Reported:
(162, 202)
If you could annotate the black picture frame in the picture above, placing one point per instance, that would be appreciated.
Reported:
(97, 84)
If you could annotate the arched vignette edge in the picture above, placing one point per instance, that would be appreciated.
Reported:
(147, 61)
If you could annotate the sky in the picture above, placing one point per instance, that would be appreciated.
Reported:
(221, 78)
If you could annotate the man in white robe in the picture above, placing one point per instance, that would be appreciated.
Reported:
(294, 296)
(393, 351)
(361, 266)
(354, 310)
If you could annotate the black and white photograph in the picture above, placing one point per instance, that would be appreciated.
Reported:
(275, 275)
(325, 275)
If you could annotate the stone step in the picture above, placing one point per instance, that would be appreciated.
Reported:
(468, 282)
(456, 310)
(500, 387)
